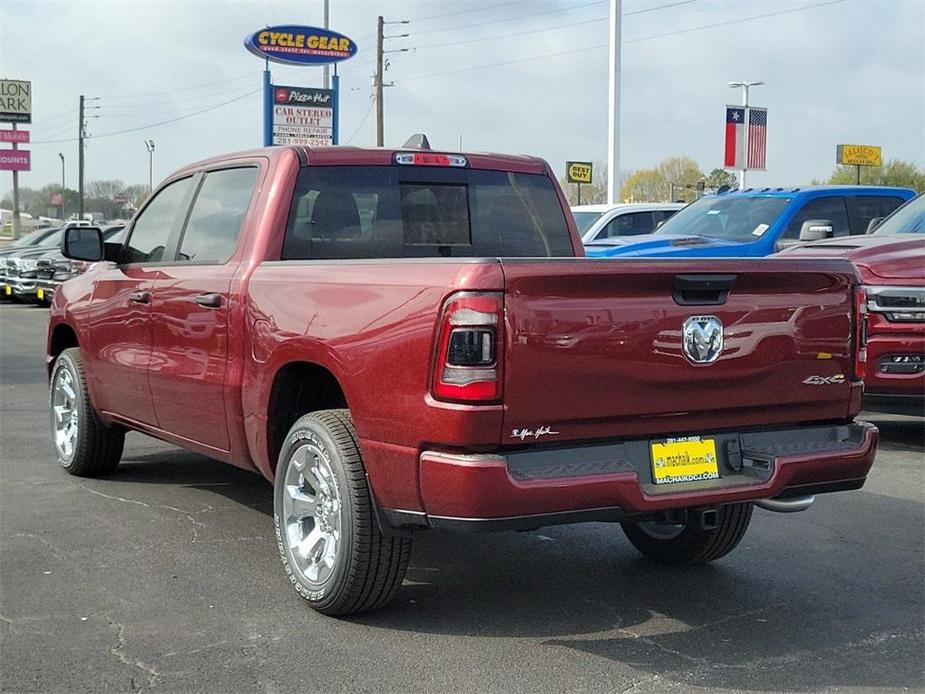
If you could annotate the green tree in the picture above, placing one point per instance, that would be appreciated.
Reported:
(676, 178)
(718, 178)
(895, 172)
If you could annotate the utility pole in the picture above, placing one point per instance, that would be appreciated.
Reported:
(379, 124)
(378, 81)
(744, 85)
(81, 143)
(81, 129)
(613, 117)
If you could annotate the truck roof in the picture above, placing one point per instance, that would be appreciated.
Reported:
(791, 191)
(378, 156)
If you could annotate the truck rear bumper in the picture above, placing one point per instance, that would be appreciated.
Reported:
(533, 488)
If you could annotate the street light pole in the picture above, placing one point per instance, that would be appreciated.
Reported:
(149, 145)
(744, 86)
(61, 206)
(613, 114)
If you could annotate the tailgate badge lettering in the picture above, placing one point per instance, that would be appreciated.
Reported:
(702, 339)
(824, 380)
(524, 434)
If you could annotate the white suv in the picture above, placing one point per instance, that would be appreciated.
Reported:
(624, 219)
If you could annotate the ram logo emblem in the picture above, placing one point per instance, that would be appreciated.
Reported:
(702, 339)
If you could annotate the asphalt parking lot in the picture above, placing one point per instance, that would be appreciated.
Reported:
(166, 577)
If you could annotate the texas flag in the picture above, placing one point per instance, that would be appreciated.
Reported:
(735, 138)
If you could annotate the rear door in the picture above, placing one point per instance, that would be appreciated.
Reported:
(190, 310)
(597, 348)
(119, 345)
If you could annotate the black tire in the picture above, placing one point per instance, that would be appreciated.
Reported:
(97, 448)
(368, 567)
(693, 545)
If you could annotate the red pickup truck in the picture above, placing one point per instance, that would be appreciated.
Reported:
(891, 262)
(404, 340)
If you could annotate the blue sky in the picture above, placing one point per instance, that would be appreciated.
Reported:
(846, 72)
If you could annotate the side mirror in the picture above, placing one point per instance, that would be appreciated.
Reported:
(816, 230)
(873, 224)
(83, 243)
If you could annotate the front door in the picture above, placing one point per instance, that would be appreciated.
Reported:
(190, 312)
(119, 343)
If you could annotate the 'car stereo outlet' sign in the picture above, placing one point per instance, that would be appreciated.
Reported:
(303, 116)
(300, 45)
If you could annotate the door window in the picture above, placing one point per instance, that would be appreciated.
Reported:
(152, 229)
(218, 213)
(831, 208)
(632, 224)
(863, 208)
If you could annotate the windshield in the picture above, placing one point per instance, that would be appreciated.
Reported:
(52, 239)
(908, 219)
(584, 220)
(30, 239)
(737, 218)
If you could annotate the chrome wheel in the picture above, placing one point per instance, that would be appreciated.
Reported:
(65, 413)
(659, 530)
(312, 513)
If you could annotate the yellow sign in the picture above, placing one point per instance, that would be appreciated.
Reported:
(858, 155)
(578, 171)
(684, 460)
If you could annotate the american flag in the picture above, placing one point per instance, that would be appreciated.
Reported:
(757, 138)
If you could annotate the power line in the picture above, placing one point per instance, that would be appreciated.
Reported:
(734, 21)
(362, 122)
(643, 38)
(508, 19)
(506, 36)
(165, 122)
(552, 28)
(506, 62)
(469, 11)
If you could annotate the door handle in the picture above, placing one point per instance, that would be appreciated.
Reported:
(209, 300)
(141, 297)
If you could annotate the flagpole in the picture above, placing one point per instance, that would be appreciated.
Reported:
(744, 85)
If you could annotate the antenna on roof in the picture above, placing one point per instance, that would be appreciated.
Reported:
(417, 141)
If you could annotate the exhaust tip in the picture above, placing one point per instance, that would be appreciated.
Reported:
(791, 505)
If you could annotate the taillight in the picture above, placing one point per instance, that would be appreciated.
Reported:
(429, 159)
(860, 332)
(467, 366)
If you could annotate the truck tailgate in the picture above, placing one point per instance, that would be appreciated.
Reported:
(594, 348)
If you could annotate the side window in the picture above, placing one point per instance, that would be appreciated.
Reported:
(832, 208)
(214, 224)
(863, 208)
(152, 229)
(632, 224)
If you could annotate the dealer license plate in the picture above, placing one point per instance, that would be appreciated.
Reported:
(688, 459)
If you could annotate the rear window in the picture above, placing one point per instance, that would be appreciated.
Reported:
(343, 212)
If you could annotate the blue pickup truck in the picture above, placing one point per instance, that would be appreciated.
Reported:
(757, 222)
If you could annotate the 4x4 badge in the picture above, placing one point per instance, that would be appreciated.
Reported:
(824, 380)
(702, 339)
